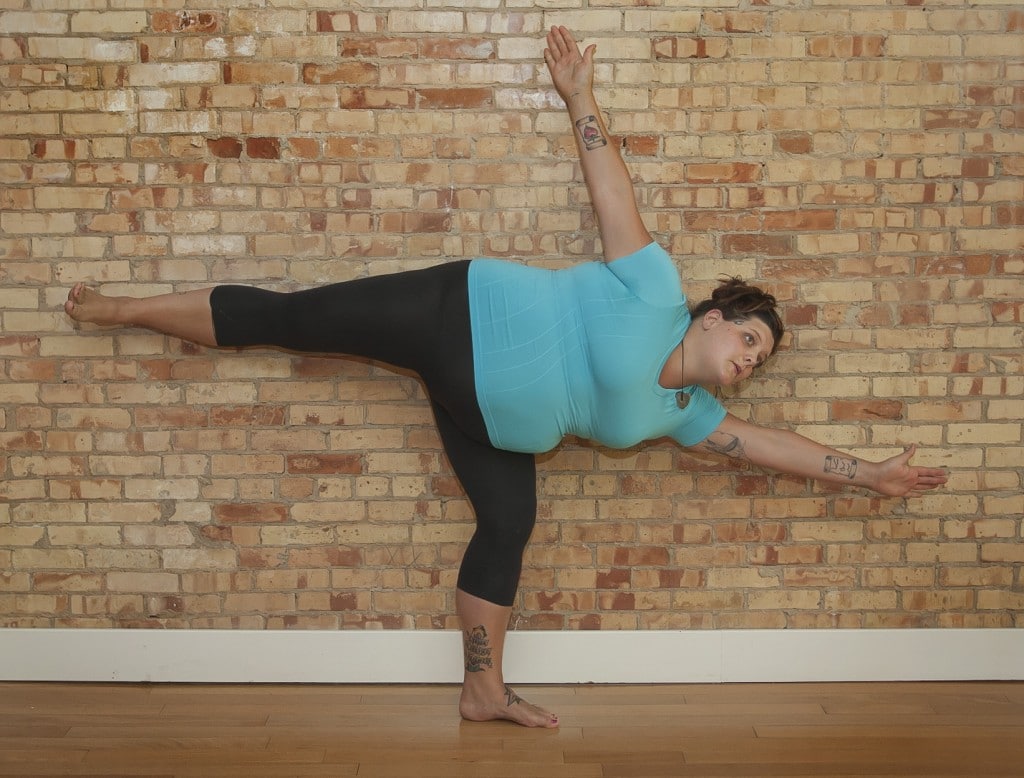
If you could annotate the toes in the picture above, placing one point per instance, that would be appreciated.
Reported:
(73, 297)
(74, 301)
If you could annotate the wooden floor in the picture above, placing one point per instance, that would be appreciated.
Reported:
(920, 729)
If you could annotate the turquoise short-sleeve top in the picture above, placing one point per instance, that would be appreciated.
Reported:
(579, 352)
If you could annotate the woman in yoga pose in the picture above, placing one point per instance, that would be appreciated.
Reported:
(514, 358)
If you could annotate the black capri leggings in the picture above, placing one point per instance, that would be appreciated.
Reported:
(418, 320)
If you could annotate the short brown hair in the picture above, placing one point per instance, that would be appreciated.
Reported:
(737, 299)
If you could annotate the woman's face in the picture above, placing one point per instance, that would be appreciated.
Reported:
(736, 347)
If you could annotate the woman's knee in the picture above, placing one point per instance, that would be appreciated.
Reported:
(509, 521)
(494, 558)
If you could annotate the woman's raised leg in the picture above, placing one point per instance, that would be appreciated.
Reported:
(184, 315)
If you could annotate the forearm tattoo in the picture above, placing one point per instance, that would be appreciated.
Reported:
(478, 650)
(590, 133)
(727, 445)
(845, 466)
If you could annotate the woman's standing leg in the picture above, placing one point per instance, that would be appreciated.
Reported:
(485, 695)
(501, 485)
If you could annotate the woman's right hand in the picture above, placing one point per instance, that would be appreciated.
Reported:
(571, 72)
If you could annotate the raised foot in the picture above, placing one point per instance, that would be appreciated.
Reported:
(506, 706)
(88, 305)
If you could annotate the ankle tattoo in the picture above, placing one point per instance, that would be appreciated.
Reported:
(511, 698)
(478, 650)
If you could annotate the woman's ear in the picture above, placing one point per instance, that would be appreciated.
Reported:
(711, 318)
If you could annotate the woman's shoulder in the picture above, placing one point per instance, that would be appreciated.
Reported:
(650, 273)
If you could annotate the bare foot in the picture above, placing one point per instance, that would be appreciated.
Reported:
(88, 305)
(507, 705)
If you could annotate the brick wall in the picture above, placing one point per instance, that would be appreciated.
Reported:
(865, 161)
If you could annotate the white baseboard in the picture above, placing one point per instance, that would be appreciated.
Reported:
(400, 656)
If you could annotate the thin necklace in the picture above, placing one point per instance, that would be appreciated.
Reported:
(682, 398)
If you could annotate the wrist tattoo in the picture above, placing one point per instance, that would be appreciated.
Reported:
(846, 466)
(727, 445)
(478, 650)
(590, 133)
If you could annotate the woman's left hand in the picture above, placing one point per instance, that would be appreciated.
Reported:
(898, 478)
(571, 72)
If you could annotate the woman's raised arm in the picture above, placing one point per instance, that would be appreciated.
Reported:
(611, 190)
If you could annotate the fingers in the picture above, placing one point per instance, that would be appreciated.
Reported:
(560, 44)
(931, 476)
(926, 481)
(564, 37)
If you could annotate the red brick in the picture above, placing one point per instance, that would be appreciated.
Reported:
(736, 21)
(456, 98)
(756, 244)
(304, 148)
(410, 223)
(749, 532)
(955, 118)
(325, 463)
(805, 219)
(384, 48)
(641, 556)
(325, 21)
(260, 73)
(250, 513)
(247, 415)
(681, 579)
(344, 601)
(718, 220)
(619, 578)
(1008, 215)
(229, 148)
(867, 410)
(345, 73)
(641, 145)
(795, 315)
(617, 601)
(795, 142)
(263, 148)
(689, 48)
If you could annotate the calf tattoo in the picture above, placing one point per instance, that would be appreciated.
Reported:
(478, 650)
(590, 133)
(841, 465)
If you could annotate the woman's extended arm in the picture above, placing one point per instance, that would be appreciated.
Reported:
(789, 452)
(611, 190)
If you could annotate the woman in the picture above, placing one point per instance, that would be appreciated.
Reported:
(514, 358)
